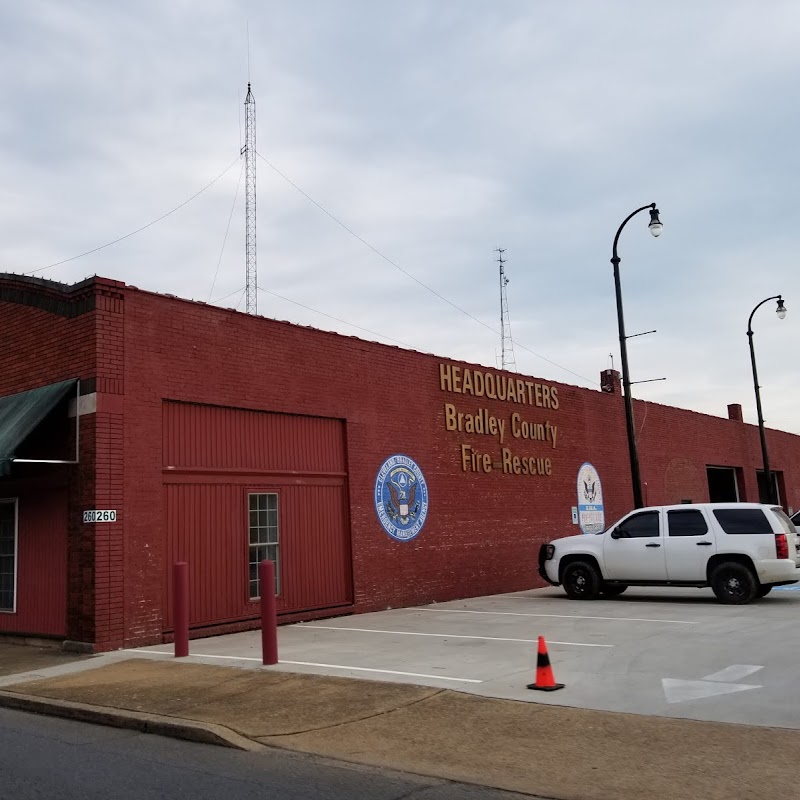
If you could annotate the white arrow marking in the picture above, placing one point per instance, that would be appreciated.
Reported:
(734, 673)
(677, 691)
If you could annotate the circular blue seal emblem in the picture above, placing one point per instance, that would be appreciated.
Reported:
(401, 497)
(591, 514)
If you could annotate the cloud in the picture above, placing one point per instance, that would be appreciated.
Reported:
(436, 131)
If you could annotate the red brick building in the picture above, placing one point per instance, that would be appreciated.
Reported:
(220, 439)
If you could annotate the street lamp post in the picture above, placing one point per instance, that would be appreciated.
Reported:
(781, 312)
(655, 227)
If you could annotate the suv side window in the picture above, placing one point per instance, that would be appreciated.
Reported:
(639, 526)
(686, 523)
(743, 520)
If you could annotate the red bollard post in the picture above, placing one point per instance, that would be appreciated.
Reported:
(180, 607)
(269, 616)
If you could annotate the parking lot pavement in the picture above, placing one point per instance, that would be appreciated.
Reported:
(671, 652)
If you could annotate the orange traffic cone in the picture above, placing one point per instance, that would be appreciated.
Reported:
(545, 682)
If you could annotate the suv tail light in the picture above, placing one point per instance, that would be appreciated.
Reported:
(781, 545)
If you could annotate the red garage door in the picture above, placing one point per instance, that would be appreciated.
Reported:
(241, 486)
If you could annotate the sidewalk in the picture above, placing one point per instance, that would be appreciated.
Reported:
(543, 750)
(21, 657)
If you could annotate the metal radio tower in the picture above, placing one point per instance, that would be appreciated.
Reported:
(507, 360)
(249, 152)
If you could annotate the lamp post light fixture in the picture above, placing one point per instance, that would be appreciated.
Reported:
(781, 312)
(655, 228)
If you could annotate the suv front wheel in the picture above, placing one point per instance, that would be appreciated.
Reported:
(734, 584)
(581, 580)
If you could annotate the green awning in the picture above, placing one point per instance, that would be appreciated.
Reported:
(21, 413)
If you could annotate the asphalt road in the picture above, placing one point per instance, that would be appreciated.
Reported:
(44, 757)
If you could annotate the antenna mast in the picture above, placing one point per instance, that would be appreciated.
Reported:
(249, 152)
(507, 360)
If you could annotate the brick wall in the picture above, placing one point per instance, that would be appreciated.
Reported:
(49, 335)
(483, 530)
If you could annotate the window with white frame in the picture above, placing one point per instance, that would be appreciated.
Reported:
(8, 555)
(264, 539)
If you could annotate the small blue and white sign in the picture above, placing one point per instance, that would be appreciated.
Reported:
(591, 516)
(401, 497)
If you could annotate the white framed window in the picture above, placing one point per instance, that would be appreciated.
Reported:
(264, 538)
(8, 556)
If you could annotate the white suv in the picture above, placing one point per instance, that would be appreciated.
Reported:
(740, 550)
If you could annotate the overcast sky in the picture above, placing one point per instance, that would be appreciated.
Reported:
(436, 131)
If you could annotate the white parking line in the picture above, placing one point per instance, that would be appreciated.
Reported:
(314, 664)
(151, 652)
(383, 671)
(554, 616)
(197, 655)
(446, 635)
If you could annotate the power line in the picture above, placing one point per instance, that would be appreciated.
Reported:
(236, 291)
(343, 321)
(138, 230)
(553, 363)
(408, 274)
(225, 238)
(338, 222)
(374, 249)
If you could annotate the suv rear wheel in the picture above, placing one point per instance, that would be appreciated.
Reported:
(734, 583)
(581, 580)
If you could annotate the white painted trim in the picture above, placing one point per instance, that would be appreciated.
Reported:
(15, 501)
(86, 403)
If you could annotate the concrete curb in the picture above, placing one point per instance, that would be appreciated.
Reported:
(205, 733)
